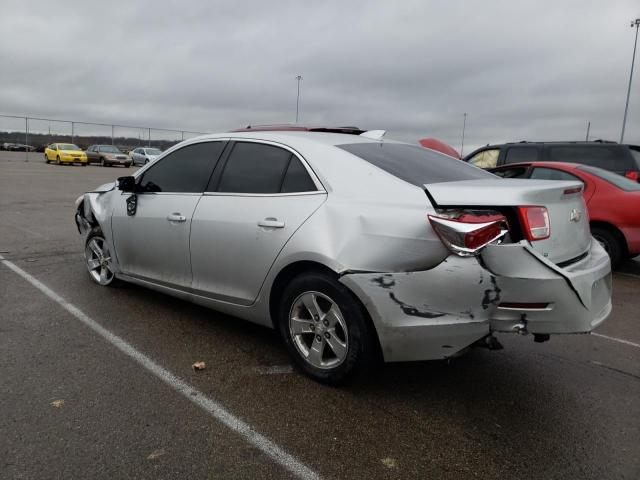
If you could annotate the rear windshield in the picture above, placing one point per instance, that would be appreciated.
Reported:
(608, 157)
(619, 181)
(68, 146)
(415, 164)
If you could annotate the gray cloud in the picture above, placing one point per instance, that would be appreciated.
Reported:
(522, 70)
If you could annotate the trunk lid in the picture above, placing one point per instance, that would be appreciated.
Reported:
(570, 235)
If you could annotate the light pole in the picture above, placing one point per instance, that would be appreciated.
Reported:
(298, 78)
(635, 23)
(464, 126)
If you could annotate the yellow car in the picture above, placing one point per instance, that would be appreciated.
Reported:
(65, 153)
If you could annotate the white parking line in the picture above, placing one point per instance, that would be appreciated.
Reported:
(212, 407)
(619, 340)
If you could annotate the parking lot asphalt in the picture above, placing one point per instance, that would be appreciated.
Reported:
(75, 406)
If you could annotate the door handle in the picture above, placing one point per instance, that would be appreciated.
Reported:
(176, 217)
(271, 222)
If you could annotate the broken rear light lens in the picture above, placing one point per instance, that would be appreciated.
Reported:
(535, 222)
(465, 233)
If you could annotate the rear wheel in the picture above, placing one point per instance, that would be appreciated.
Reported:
(98, 259)
(102, 162)
(610, 242)
(325, 329)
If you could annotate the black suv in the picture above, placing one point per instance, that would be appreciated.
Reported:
(615, 157)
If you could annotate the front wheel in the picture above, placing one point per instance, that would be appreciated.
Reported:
(325, 329)
(610, 243)
(57, 160)
(98, 259)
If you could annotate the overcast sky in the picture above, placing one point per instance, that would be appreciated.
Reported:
(535, 70)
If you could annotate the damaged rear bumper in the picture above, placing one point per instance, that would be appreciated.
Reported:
(436, 313)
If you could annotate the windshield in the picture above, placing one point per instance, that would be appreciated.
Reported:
(619, 181)
(68, 146)
(153, 151)
(414, 164)
(109, 149)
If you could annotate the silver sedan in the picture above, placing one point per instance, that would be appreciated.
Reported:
(353, 247)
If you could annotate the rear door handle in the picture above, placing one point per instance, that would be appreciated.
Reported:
(176, 217)
(271, 222)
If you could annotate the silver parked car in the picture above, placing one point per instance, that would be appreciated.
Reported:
(354, 248)
(142, 155)
(107, 156)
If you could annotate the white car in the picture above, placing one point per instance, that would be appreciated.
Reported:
(142, 155)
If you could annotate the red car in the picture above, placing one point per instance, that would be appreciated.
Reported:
(613, 201)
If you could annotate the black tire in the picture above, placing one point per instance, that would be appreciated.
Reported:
(103, 163)
(146, 160)
(57, 160)
(361, 345)
(611, 243)
(46, 159)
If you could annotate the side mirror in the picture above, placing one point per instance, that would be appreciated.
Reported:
(127, 184)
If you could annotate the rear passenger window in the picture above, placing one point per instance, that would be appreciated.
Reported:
(552, 174)
(297, 178)
(515, 172)
(186, 170)
(608, 157)
(521, 155)
(254, 168)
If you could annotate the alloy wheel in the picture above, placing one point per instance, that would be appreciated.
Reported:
(318, 330)
(98, 261)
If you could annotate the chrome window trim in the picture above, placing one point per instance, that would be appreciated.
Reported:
(314, 178)
(289, 194)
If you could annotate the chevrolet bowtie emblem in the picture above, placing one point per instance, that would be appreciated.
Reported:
(575, 216)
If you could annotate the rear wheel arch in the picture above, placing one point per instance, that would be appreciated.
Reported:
(614, 231)
(295, 269)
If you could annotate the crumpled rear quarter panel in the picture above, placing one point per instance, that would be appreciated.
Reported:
(431, 314)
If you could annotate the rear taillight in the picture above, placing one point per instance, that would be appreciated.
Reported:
(633, 175)
(465, 233)
(535, 222)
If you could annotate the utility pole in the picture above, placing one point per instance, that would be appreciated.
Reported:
(588, 128)
(464, 126)
(298, 78)
(635, 23)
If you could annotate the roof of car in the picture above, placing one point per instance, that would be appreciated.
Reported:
(288, 127)
(285, 136)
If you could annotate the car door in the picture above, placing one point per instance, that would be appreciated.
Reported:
(258, 197)
(153, 244)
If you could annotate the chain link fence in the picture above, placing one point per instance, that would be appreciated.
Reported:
(24, 133)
